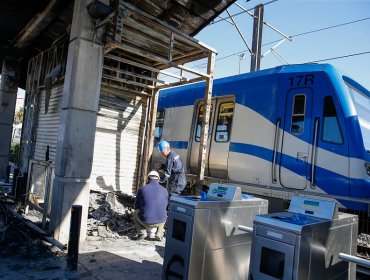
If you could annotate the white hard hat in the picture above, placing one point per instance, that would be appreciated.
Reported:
(153, 174)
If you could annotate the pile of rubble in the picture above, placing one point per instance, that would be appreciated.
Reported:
(363, 240)
(110, 216)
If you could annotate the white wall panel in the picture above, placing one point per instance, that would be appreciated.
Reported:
(118, 142)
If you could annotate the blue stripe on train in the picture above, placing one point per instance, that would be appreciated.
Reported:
(178, 144)
(338, 183)
(265, 154)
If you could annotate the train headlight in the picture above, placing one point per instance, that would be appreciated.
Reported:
(367, 167)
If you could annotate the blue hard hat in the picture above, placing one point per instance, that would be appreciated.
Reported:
(163, 145)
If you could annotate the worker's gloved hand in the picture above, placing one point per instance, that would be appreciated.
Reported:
(159, 166)
(161, 175)
(162, 179)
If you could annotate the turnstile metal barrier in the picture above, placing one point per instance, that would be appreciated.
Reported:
(203, 240)
(304, 243)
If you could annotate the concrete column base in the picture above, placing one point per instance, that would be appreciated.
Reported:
(7, 107)
(68, 192)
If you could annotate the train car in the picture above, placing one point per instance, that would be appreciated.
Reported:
(289, 129)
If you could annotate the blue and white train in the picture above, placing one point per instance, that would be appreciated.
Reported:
(289, 129)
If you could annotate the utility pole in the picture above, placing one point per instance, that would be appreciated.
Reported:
(257, 38)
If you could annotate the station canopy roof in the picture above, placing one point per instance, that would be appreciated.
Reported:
(29, 27)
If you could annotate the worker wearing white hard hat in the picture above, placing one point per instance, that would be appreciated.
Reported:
(150, 208)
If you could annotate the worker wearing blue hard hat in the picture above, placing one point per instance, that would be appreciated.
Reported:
(163, 145)
(173, 170)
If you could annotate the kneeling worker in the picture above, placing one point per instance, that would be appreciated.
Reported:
(151, 204)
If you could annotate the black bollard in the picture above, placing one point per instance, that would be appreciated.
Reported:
(20, 188)
(74, 237)
(15, 177)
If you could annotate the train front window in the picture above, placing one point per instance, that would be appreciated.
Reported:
(330, 129)
(362, 105)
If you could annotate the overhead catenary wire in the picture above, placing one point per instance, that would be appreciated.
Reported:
(240, 33)
(339, 57)
(320, 29)
(242, 12)
(296, 35)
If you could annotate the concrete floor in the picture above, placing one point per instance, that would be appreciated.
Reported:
(106, 259)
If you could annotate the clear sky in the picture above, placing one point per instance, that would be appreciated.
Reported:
(293, 17)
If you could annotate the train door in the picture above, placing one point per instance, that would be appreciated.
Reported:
(219, 137)
(195, 137)
(219, 149)
(295, 148)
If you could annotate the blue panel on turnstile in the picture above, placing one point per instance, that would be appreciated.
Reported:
(300, 219)
(296, 218)
(196, 198)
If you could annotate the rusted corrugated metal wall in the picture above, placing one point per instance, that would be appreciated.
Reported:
(48, 124)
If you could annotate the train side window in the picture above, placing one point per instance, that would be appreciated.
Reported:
(299, 110)
(159, 126)
(199, 123)
(224, 122)
(330, 129)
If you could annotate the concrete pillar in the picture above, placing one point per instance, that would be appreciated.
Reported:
(77, 124)
(8, 99)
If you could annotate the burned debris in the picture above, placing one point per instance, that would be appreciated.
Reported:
(110, 216)
(21, 237)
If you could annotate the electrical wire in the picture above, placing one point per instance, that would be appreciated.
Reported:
(242, 12)
(339, 57)
(296, 35)
(320, 29)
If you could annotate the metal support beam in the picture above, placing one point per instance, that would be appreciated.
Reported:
(205, 122)
(240, 33)
(257, 38)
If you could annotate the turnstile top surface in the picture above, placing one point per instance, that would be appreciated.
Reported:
(198, 203)
(304, 215)
(219, 196)
(297, 223)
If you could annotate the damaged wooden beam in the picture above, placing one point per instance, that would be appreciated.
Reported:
(140, 65)
(166, 27)
(43, 234)
(38, 24)
(155, 58)
(132, 74)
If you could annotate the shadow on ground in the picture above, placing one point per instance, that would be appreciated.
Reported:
(94, 265)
